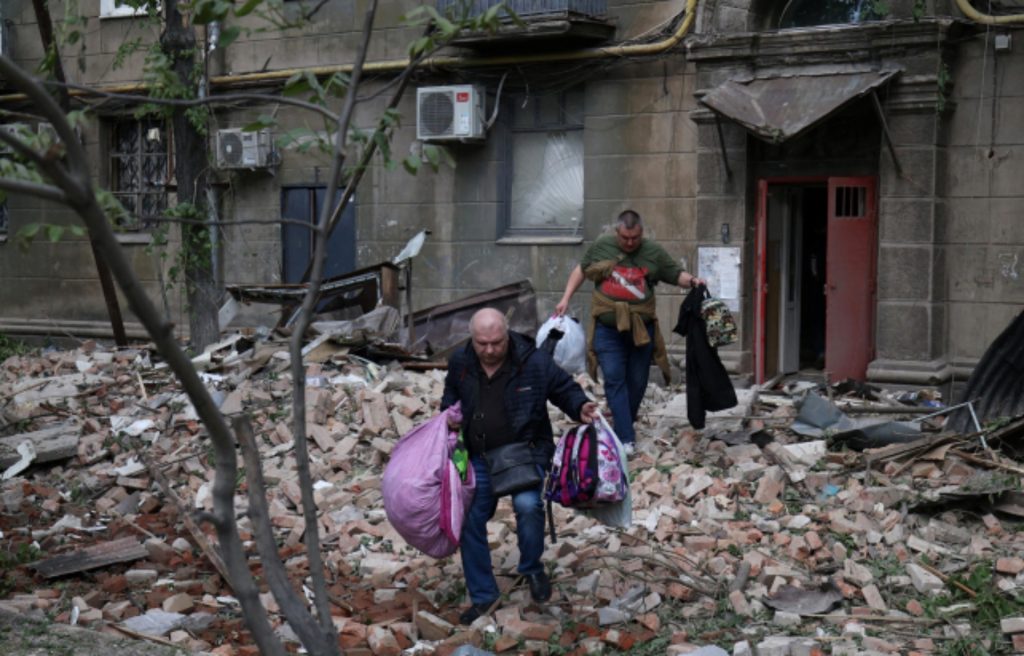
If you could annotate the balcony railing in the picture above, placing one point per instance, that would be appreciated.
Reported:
(529, 8)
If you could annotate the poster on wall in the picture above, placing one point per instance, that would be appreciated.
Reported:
(720, 266)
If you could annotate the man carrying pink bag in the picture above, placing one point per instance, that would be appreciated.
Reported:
(425, 496)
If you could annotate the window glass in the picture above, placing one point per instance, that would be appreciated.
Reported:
(545, 169)
(806, 13)
(547, 180)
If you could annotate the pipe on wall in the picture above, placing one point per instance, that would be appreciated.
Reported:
(395, 65)
(987, 19)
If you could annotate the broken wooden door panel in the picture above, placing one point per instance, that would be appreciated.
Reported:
(850, 277)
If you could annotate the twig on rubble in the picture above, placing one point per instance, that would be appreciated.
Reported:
(948, 581)
(689, 580)
(992, 464)
(186, 516)
(873, 618)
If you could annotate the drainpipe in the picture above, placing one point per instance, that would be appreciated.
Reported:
(987, 19)
(394, 65)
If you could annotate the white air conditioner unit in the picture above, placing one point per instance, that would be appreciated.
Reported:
(238, 149)
(450, 113)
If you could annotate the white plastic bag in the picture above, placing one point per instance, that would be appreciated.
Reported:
(571, 349)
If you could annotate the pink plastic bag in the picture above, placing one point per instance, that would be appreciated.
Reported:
(424, 498)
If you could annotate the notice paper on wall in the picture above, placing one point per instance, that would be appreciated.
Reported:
(720, 266)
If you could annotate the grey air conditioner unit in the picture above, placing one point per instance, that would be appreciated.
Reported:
(238, 149)
(450, 113)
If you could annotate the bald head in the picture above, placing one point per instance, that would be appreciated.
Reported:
(488, 330)
(488, 319)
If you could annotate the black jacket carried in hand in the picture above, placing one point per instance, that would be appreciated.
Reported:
(708, 388)
(535, 380)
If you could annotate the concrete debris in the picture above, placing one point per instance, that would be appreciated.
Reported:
(742, 532)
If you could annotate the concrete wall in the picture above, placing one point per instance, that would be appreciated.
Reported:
(949, 246)
(979, 223)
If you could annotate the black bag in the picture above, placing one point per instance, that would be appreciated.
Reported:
(512, 468)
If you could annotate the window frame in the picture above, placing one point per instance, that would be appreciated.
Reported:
(111, 155)
(513, 107)
(110, 9)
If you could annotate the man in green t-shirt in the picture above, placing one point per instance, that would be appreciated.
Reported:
(623, 334)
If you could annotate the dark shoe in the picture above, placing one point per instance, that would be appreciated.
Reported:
(471, 614)
(540, 586)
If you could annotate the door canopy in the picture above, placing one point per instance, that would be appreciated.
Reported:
(778, 108)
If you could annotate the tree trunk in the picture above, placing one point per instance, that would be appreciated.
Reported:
(190, 165)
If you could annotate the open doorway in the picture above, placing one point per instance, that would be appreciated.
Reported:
(815, 276)
(797, 221)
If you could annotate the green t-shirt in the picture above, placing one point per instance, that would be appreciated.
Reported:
(636, 274)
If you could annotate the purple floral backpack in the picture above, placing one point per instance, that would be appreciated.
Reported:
(586, 469)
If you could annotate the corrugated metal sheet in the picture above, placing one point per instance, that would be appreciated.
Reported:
(779, 108)
(996, 387)
(592, 8)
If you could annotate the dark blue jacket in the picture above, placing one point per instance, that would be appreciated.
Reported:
(535, 380)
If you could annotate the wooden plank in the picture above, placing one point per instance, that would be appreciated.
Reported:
(54, 443)
(98, 555)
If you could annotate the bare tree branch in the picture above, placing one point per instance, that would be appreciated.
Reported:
(291, 604)
(208, 100)
(83, 201)
(305, 317)
(37, 189)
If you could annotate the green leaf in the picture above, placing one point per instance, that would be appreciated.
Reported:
(228, 35)
(411, 164)
(77, 230)
(54, 232)
(416, 16)
(295, 85)
(420, 45)
(433, 155)
(247, 8)
(383, 144)
(29, 231)
(264, 121)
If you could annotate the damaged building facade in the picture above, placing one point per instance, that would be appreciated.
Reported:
(849, 181)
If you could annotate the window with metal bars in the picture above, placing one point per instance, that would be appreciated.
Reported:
(851, 202)
(138, 169)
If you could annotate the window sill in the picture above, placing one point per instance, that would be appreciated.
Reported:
(540, 240)
(143, 238)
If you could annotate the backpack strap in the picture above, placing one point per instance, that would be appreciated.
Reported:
(551, 523)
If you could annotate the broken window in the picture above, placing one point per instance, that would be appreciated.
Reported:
(544, 183)
(138, 169)
(807, 13)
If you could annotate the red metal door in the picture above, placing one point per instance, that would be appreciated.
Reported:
(850, 278)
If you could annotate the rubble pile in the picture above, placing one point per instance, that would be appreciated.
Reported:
(771, 532)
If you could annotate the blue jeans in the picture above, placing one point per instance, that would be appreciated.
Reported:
(625, 368)
(476, 554)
